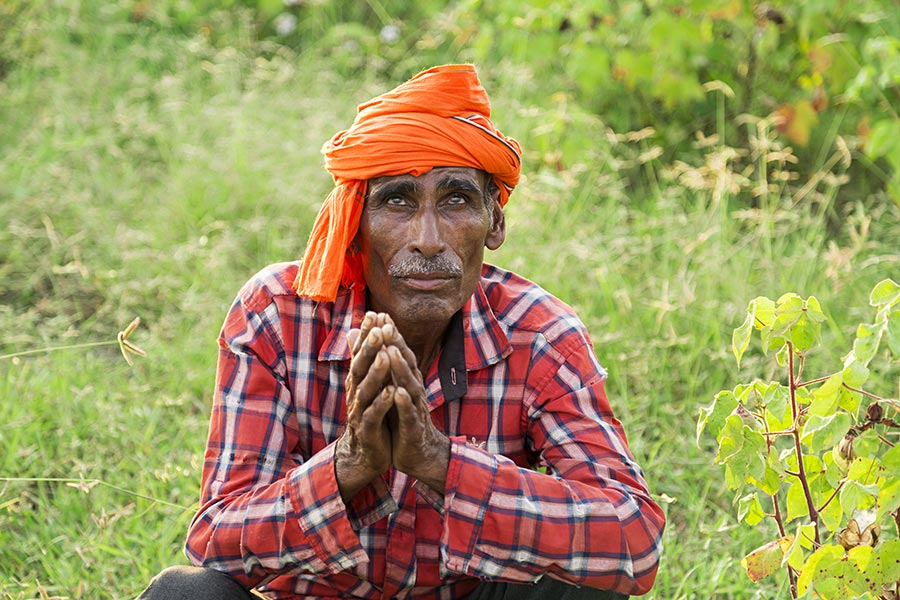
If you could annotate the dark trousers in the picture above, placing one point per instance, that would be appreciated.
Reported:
(194, 583)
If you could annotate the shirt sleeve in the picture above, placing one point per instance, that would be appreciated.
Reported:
(265, 508)
(588, 520)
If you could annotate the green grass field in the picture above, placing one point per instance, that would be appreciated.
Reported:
(149, 171)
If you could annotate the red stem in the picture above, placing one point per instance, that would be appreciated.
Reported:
(813, 513)
(815, 381)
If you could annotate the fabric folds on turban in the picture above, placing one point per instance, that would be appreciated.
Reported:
(439, 118)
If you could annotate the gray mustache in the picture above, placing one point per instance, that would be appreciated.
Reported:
(419, 265)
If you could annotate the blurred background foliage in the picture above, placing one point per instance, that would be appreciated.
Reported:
(680, 159)
(822, 69)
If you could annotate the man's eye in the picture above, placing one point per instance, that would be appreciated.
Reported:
(457, 199)
(395, 201)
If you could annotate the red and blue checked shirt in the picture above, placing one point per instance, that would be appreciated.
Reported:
(516, 387)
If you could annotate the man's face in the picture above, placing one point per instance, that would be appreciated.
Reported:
(422, 240)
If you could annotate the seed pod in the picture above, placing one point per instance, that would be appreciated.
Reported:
(849, 535)
(874, 412)
(845, 447)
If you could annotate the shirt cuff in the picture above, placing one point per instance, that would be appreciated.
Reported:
(321, 513)
(431, 496)
(465, 503)
(372, 503)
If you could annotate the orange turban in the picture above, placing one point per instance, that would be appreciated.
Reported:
(439, 118)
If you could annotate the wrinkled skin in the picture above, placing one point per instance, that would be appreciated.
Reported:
(423, 240)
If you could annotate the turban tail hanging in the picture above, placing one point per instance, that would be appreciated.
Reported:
(439, 118)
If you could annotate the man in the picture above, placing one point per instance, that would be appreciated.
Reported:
(394, 418)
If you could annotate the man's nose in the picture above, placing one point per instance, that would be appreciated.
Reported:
(426, 234)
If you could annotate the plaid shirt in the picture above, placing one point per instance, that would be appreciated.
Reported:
(516, 387)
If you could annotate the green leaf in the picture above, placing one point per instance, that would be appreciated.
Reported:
(835, 466)
(824, 567)
(714, 415)
(796, 501)
(856, 496)
(832, 516)
(868, 445)
(750, 510)
(893, 333)
(887, 561)
(858, 561)
(803, 540)
(849, 400)
(825, 398)
(891, 460)
(742, 450)
(763, 311)
(776, 399)
(814, 310)
(771, 480)
(888, 498)
(781, 357)
(789, 304)
(855, 373)
(864, 470)
(885, 293)
(868, 338)
(804, 333)
(821, 432)
(766, 559)
(740, 338)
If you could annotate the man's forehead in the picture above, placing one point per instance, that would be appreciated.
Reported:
(440, 173)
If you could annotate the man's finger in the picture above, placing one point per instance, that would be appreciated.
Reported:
(392, 337)
(405, 375)
(374, 415)
(367, 323)
(368, 348)
(371, 385)
(409, 417)
(352, 340)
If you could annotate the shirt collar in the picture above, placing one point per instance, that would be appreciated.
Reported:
(475, 337)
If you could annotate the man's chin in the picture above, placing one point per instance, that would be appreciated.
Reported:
(426, 308)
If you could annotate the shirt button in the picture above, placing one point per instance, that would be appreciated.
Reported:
(579, 510)
(521, 556)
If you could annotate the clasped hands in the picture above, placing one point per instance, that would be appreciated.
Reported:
(388, 422)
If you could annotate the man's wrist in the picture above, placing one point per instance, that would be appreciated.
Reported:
(350, 475)
(434, 472)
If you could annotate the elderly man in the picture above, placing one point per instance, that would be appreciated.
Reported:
(394, 418)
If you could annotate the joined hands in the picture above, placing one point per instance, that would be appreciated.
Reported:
(388, 422)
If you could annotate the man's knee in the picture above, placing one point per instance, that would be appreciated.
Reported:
(193, 583)
(545, 588)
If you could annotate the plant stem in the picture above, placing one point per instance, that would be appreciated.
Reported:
(778, 518)
(93, 482)
(833, 495)
(55, 348)
(852, 389)
(804, 482)
(815, 381)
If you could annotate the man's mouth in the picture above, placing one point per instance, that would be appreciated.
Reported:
(427, 281)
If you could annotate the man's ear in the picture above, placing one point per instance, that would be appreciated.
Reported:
(497, 233)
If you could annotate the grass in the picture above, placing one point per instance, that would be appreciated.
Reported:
(149, 171)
